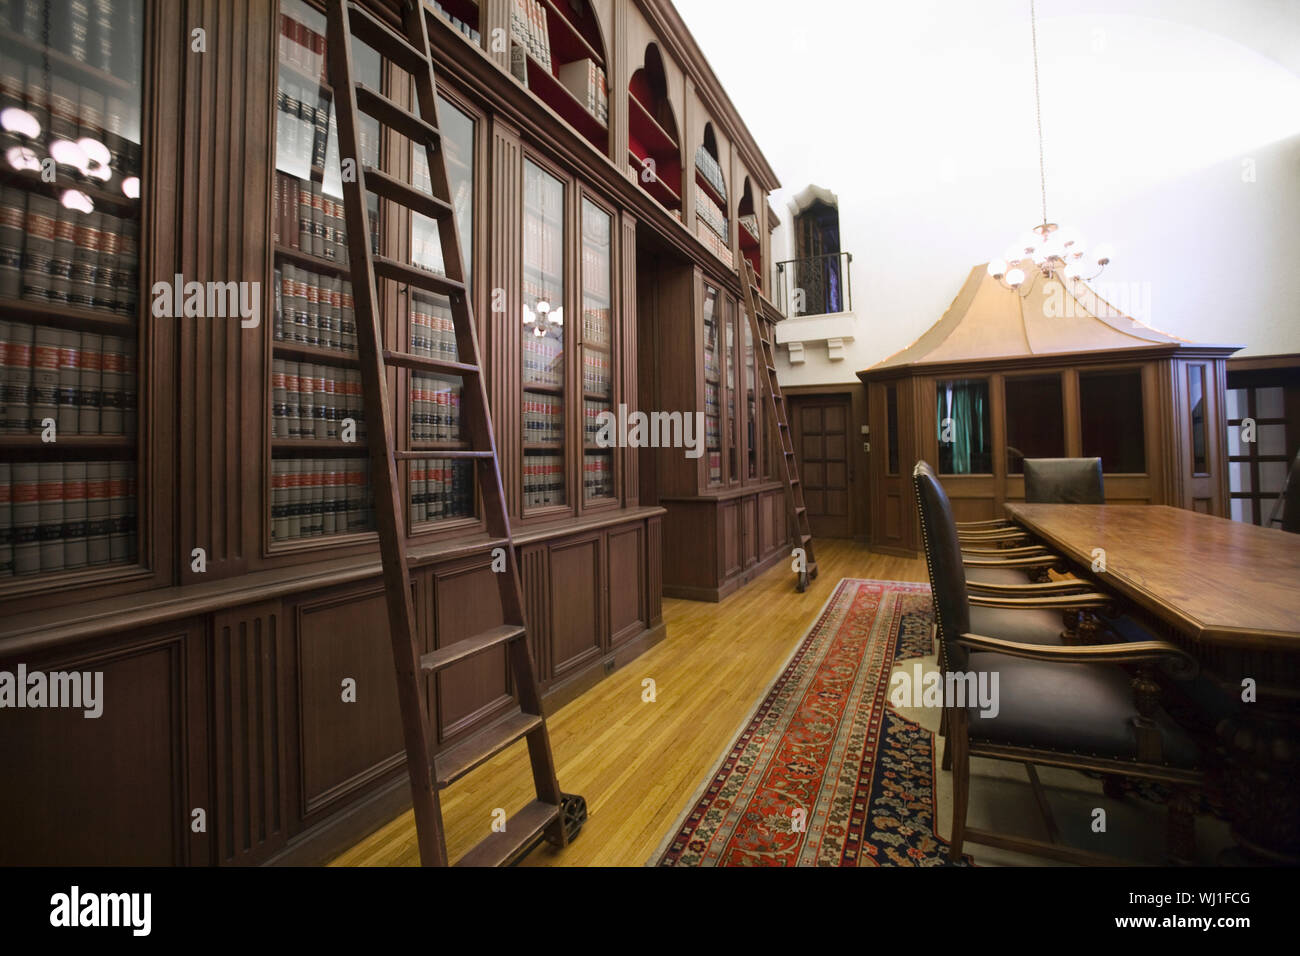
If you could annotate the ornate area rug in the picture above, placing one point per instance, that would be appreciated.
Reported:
(825, 773)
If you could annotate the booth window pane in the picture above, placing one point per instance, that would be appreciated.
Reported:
(1111, 424)
(964, 428)
(1035, 420)
(1196, 401)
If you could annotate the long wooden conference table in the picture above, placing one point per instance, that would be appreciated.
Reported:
(1229, 593)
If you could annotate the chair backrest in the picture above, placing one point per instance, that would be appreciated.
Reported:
(1289, 499)
(943, 559)
(1063, 481)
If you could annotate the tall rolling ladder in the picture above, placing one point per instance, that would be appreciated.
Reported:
(780, 417)
(553, 815)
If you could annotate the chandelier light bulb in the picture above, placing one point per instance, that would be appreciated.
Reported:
(76, 199)
(131, 187)
(16, 120)
(1028, 244)
(997, 268)
(1015, 277)
(21, 158)
(1074, 270)
(1103, 253)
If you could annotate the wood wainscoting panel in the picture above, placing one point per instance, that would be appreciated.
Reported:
(729, 535)
(536, 583)
(248, 732)
(113, 789)
(467, 601)
(576, 604)
(627, 614)
(654, 571)
(345, 746)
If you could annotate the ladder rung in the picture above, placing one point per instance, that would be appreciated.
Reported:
(423, 455)
(789, 454)
(450, 765)
(390, 114)
(385, 40)
(498, 849)
(800, 509)
(404, 194)
(387, 268)
(444, 657)
(793, 481)
(804, 538)
(782, 425)
(421, 363)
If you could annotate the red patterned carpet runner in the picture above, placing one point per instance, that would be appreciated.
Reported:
(825, 773)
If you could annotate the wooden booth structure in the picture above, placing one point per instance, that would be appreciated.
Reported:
(1050, 370)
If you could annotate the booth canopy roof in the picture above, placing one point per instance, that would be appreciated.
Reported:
(986, 321)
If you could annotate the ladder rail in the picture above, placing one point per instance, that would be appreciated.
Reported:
(479, 421)
(383, 463)
(779, 424)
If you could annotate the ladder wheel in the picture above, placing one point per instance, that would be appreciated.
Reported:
(573, 814)
(803, 581)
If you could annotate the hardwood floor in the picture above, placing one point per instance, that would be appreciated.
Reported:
(638, 762)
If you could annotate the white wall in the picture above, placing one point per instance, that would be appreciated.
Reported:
(920, 117)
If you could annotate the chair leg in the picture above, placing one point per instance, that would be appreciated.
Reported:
(958, 743)
(1181, 827)
(944, 728)
(943, 723)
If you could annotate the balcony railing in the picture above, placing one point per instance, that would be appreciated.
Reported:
(816, 285)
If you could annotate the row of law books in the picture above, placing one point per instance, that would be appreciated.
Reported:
(314, 309)
(304, 123)
(591, 421)
(543, 361)
(596, 370)
(712, 172)
(301, 47)
(543, 254)
(529, 29)
(715, 243)
(315, 497)
(440, 488)
(435, 408)
(585, 79)
(433, 334)
(51, 253)
(595, 272)
(102, 34)
(598, 476)
(312, 401)
(595, 326)
(306, 219)
(64, 515)
(543, 480)
(543, 420)
(710, 212)
(84, 382)
(474, 36)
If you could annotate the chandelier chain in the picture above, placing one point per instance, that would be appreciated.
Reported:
(1038, 109)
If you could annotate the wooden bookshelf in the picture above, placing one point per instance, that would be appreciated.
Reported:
(307, 260)
(71, 317)
(299, 351)
(31, 180)
(645, 129)
(561, 99)
(568, 42)
(327, 447)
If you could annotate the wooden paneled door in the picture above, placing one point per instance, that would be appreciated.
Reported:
(821, 426)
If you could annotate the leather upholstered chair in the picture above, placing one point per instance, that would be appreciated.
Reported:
(1071, 706)
(1063, 481)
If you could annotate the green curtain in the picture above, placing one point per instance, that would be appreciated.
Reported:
(966, 403)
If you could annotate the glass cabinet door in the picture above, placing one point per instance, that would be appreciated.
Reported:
(70, 212)
(712, 386)
(751, 402)
(439, 489)
(597, 349)
(543, 341)
(733, 456)
(320, 482)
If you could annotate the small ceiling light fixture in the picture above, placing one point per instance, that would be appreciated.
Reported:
(1047, 248)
